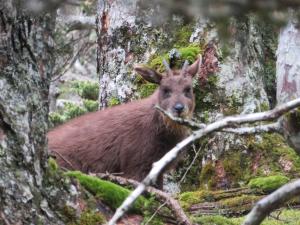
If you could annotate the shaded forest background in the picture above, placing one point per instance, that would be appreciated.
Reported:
(79, 58)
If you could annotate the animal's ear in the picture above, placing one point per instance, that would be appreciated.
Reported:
(149, 74)
(195, 67)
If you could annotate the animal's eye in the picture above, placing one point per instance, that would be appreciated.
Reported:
(188, 92)
(166, 92)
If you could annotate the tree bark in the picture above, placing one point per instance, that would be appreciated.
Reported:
(27, 195)
(288, 79)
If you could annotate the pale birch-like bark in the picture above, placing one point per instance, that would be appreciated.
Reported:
(288, 79)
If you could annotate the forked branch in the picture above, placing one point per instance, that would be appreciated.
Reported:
(231, 121)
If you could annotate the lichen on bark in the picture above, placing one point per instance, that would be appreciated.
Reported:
(27, 193)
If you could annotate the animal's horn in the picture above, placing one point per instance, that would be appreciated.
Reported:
(168, 69)
(184, 67)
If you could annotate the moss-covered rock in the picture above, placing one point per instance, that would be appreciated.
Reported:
(268, 184)
(265, 156)
(279, 157)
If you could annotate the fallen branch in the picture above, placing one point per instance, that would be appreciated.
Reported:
(173, 153)
(273, 127)
(273, 201)
(160, 195)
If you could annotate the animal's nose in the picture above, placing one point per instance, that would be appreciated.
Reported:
(178, 107)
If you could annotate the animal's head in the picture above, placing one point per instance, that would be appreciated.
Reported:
(175, 93)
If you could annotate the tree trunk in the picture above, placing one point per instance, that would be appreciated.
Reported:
(288, 79)
(26, 61)
(115, 22)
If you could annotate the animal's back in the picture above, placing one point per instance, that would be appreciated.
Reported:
(123, 139)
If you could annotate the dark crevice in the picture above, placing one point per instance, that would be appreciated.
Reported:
(3, 22)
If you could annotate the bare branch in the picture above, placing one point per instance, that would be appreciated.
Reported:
(189, 123)
(160, 195)
(173, 153)
(273, 201)
(70, 62)
(273, 127)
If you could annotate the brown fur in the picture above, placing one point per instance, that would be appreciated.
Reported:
(124, 139)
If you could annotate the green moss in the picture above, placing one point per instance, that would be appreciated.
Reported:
(52, 165)
(55, 119)
(294, 118)
(264, 107)
(207, 95)
(87, 89)
(207, 176)
(233, 168)
(110, 193)
(147, 89)
(189, 53)
(282, 217)
(91, 218)
(268, 184)
(225, 50)
(234, 103)
(53, 173)
(69, 213)
(182, 36)
(213, 220)
(273, 148)
(69, 111)
(72, 110)
(113, 101)
(187, 199)
(156, 62)
(239, 201)
(90, 105)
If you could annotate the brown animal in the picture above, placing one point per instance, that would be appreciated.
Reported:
(128, 138)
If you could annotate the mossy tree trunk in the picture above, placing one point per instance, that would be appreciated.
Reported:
(288, 79)
(26, 61)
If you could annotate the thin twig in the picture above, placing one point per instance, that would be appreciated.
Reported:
(68, 64)
(63, 158)
(186, 122)
(160, 195)
(210, 128)
(156, 211)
